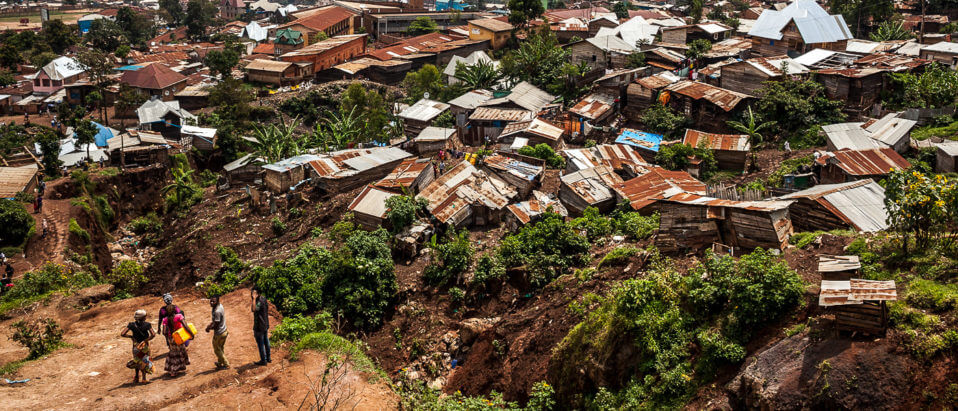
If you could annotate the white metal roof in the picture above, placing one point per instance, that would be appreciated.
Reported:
(814, 23)
(862, 204)
(472, 99)
(154, 110)
(435, 134)
(62, 68)
(424, 110)
(944, 47)
(712, 28)
(949, 147)
(470, 60)
(851, 136)
(204, 132)
(371, 201)
(254, 31)
(612, 43)
(890, 129)
(814, 56)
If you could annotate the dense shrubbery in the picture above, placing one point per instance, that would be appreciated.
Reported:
(545, 250)
(354, 280)
(126, 277)
(228, 277)
(796, 106)
(15, 223)
(669, 318)
(545, 152)
(451, 259)
(663, 120)
(402, 211)
(922, 207)
(298, 326)
(416, 396)
(149, 227)
(679, 157)
(48, 278)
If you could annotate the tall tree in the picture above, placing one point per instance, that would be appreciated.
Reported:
(368, 105)
(49, 143)
(199, 16)
(137, 27)
(522, 11)
(58, 35)
(422, 25)
(751, 127)
(425, 80)
(538, 60)
(105, 35)
(172, 12)
(86, 134)
(98, 65)
(482, 75)
(223, 61)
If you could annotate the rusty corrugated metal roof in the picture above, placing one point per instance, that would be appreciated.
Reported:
(594, 105)
(452, 195)
(527, 210)
(877, 161)
(856, 291)
(658, 184)
(594, 185)
(724, 99)
(404, 174)
(727, 142)
(500, 114)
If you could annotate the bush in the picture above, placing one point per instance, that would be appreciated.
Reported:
(334, 345)
(545, 249)
(619, 256)
(228, 277)
(48, 278)
(457, 295)
(39, 336)
(78, 231)
(149, 223)
(636, 226)
(354, 280)
(488, 268)
(932, 295)
(679, 157)
(545, 152)
(127, 276)
(402, 211)
(15, 223)
(450, 259)
(593, 224)
(298, 326)
(105, 212)
(663, 120)
(278, 226)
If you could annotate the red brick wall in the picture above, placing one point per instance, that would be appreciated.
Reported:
(336, 55)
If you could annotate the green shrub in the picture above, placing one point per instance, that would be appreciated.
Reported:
(718, 350)
(23, 197)
(48, 278)
(457, 295)
(402, 211)
(545, 152)
(636, 226)
(278, 226)
(41, 337)
(488, 268)
(777, 178)
(416, 396)
(450, 259)
(931, 295)
(149, 223)
(15, 223)
(679, 157)
(354, 280)
(545, 249)
(663, 120)
(208, 178)
(593, 224)
(619, 256)
(105, 212)
(78, 231)
(228, 277)
(298, 326)
(334, 345)
(295, 213)
(127, 277)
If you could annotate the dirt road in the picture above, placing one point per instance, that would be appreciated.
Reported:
(91, 372)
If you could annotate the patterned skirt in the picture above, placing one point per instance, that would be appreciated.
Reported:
(177, 359)
(141, 358)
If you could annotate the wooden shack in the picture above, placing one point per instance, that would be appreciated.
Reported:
(245, 169)
(420, 115)
(859, 205)
(731, 150)
(858, 88)
(344, 170)
(708, 106)
(839, 267)
(15, 180)
(946, 157)
(689, 221)
(432, 139)
(849, 165)
(591, 187)
(369, 207)
(642, 93)
(858, 305)
(748, 76)
(521, 175)
(410, 176)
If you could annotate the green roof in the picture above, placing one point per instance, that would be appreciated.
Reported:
(288, 36)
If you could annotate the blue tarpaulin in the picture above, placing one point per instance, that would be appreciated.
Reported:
(640, 139)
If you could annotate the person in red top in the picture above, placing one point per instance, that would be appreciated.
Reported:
(177, 359)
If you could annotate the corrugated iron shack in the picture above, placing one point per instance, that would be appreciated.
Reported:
(521, 175)
(691, 221)
(465, 196)
(849, 165)
(731, 150)
(410, 176)
(344, 170)
(591, 187)
(857, 204)
(369, 207)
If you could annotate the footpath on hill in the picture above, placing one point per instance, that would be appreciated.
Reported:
(91, 372)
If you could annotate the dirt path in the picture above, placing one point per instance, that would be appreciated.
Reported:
(91, 372)
(50, 248)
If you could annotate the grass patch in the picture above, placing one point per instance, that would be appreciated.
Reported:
(803, 239)
(7, 305)
(619, 256)
(328, 343)
(13, 366)
(948, 132)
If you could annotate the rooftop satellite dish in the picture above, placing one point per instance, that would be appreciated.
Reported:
(425, 95)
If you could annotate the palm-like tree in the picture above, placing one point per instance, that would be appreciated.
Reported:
(890, 30)
(182, 187)
(751, 127)
(337, 130)
(276, 142)
(482, 75)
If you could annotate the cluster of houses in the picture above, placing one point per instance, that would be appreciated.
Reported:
(285, 46)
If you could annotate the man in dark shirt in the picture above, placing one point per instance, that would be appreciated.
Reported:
(260, 308)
